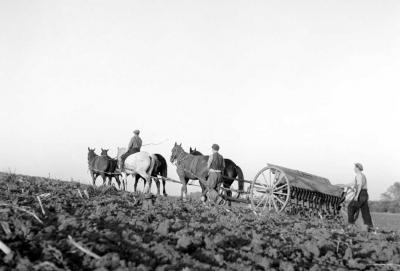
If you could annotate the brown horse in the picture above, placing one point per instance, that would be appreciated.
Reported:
(98, 166)
(230, 173)
(113, 171)
(190, 167)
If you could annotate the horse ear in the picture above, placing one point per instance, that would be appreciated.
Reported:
(88, 148)
(190, 149)
(180, 145)
(175, 144)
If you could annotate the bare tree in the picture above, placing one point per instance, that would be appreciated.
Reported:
(393, 192)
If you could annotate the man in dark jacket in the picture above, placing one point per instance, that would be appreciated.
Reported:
(215, 165)
(133, 147)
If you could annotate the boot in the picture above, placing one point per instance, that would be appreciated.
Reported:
(215, 197)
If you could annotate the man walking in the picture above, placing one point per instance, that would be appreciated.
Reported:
(215, 165)
(133, 147)
(360, 199)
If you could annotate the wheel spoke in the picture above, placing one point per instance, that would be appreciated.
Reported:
(278, 188)
(279, 180)
(265, 179)
(283, 203)
(262, 199)
(260, 184)
(279, 193)
(279, 176)
(270, 178)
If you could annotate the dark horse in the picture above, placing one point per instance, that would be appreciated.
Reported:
(190, 167)
(100, 166)
(160, 169)
(231, 172)
(113, 170)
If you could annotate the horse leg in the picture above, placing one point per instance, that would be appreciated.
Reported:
(103, 176)
(184, 188)
(144, 184)
(93, 177)
(239, 175)
(147, 182)
(136, 182)
(203, 192)
(126, 182)
(124, 178)
(227, 184)
(118, 181)
(157, 181)
(164, 192)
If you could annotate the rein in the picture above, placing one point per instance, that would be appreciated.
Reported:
(155, 144)
(99, 171)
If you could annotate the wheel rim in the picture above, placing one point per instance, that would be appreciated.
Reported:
(270, 190)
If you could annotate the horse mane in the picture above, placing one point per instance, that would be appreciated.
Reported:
(195, 152)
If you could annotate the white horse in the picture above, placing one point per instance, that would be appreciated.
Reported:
(140, 163)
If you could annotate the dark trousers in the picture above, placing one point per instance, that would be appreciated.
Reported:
(125, 155)
(213, 181)
(360, 204)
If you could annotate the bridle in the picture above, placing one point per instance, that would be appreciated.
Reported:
(180, 157)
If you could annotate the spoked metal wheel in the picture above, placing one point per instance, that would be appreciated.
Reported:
(270, 190)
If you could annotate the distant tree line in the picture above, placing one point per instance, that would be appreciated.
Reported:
(384, 206)
(390, 202)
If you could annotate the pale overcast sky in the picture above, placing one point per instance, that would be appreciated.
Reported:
(311, 85)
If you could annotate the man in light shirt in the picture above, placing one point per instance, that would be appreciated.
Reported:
(360, 199)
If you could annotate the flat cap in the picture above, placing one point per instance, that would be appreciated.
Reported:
(136, 132)
(215, 147)
(359, 166)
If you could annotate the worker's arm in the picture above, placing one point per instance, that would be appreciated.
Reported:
(223, 163)
(130, 144)
(210, 159)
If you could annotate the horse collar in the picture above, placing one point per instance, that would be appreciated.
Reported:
(182, 156)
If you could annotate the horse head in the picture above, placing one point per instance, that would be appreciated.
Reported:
(91, 153)
(104, 152)
(175, 152)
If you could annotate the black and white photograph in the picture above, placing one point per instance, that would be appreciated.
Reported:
(199, 135)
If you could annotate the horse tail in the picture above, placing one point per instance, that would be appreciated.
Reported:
(164, 167)
(240, 178)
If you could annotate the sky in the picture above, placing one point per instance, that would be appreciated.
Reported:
(310, 85)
